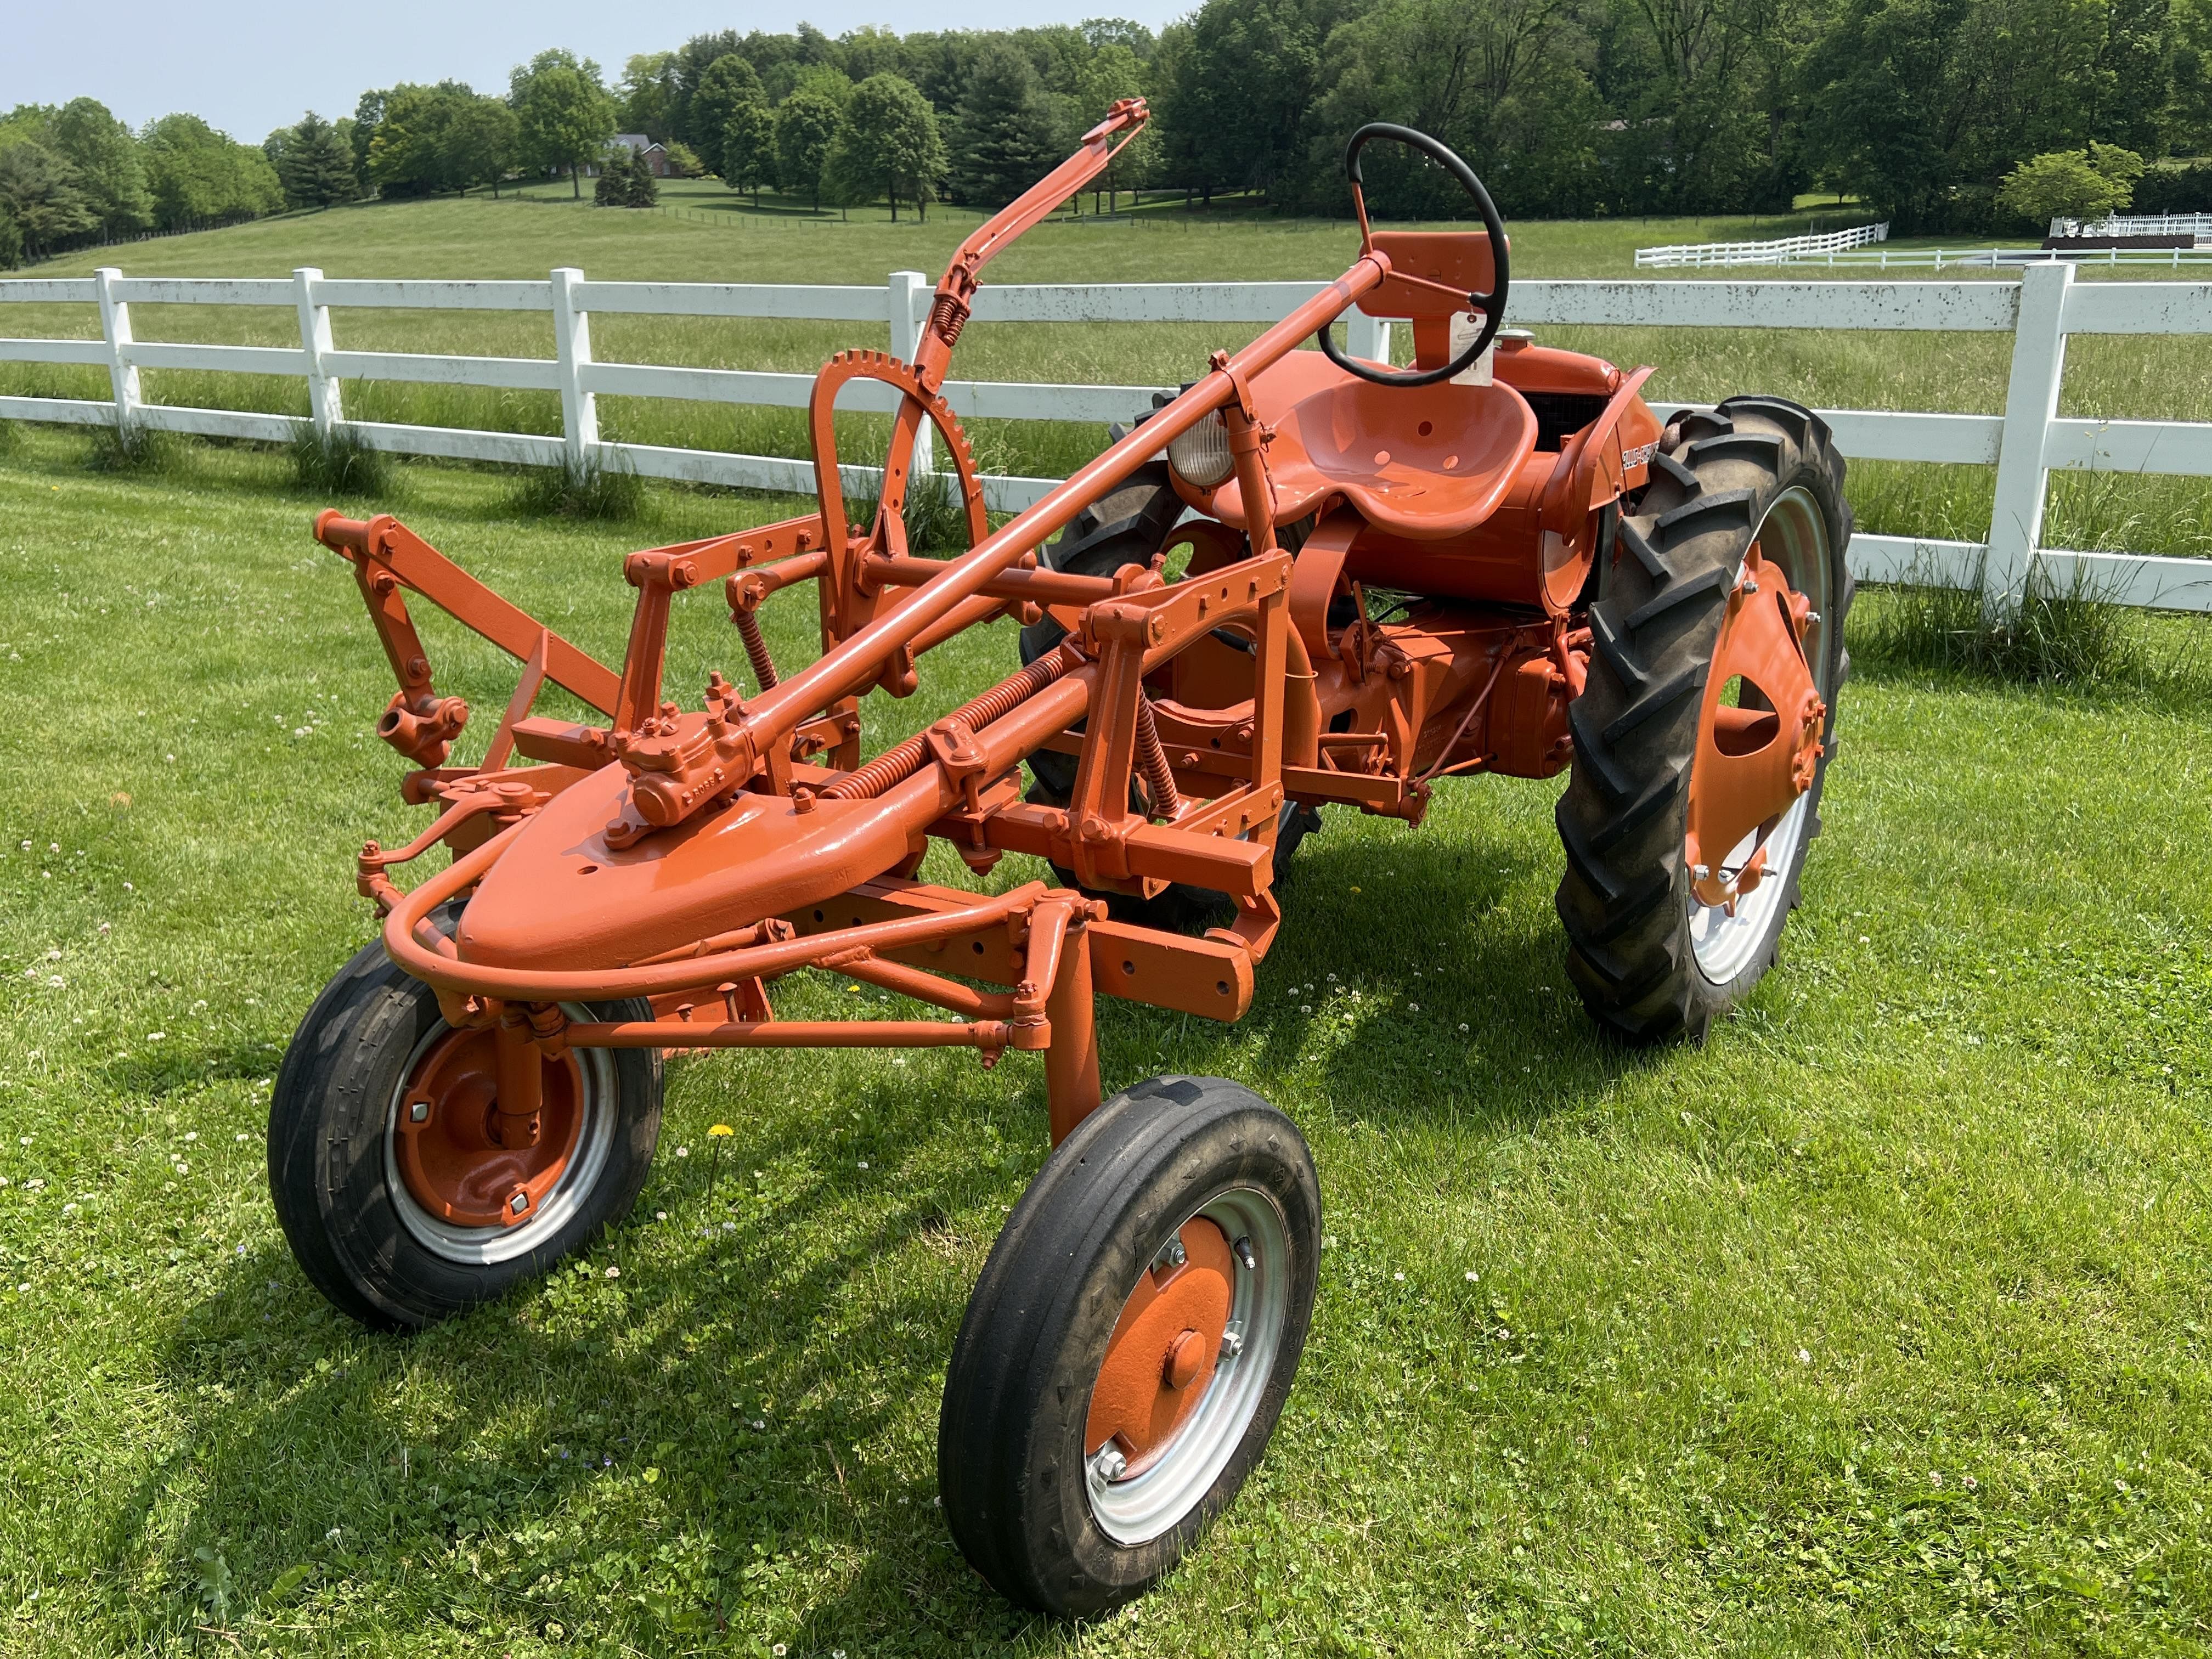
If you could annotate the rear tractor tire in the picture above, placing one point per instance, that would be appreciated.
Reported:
(1652, 957)
(1129, 1345)
(386, 1169)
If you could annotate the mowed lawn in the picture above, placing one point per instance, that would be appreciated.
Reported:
(1879, 1323)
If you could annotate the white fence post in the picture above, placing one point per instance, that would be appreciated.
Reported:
(323, 402)
(1367, 336)
(572, 345)
(904, 294)
(115, 325)
(2039, 362)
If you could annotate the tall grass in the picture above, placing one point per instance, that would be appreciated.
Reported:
(130, 448)
(2070, 636)
(339, 462)
(591, 490)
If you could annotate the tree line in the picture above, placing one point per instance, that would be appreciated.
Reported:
(1957, 116)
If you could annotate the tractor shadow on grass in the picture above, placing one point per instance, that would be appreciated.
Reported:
(776, 1359)
(1420, 976)
(779, 1378)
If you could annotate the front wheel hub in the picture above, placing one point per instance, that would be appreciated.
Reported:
(461, 1159)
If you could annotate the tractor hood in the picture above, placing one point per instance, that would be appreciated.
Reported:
(560, 897)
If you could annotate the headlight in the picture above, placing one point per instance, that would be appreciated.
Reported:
(1201, 457)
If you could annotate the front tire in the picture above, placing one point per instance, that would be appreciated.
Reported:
(402, 1222)
(1650, 957)
(1130, 1343)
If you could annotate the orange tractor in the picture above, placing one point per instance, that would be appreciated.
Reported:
(1308, 581)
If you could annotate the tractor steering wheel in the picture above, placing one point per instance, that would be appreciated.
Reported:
(1491, 305)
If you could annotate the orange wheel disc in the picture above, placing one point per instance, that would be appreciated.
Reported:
(1186, 1364)
(1759, 730)
(474, 1189)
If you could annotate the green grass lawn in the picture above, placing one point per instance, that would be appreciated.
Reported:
(711, 236)
(1878, 1324)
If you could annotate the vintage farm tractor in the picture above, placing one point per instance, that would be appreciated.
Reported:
(1497, 560)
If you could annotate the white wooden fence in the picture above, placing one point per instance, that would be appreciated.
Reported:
(2024, 444)
(2122, 224)
(1783, 249)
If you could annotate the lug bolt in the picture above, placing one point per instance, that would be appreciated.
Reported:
(1811, 618)
(1699, 873)
(1244, 1256)
(418, 1112)
(1110, 1465)
(1232, 1340)
(1171, 1256)
(520, 1203)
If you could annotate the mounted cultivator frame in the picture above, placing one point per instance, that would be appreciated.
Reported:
(1494, 561)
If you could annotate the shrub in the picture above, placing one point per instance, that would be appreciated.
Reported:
(2071, 184)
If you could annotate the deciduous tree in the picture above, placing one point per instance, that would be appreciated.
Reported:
(889, 142)
(749, 147)
(805, 127)
(729, 82)
(565, 116)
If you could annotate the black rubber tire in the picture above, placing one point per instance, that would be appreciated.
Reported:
(328, 1121)
(1624, 898)
(1128, 527)
(1011, 1464)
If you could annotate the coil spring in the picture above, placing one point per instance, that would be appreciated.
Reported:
(898, 763)
(946, 318)
(748, 630)
(1152, 762)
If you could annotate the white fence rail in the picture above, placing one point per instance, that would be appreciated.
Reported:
(2025, 443)
(2122, 224)
(1781, 251)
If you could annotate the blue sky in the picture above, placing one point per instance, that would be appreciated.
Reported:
(250, 65)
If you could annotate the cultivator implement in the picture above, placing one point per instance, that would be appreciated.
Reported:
(1309, 581)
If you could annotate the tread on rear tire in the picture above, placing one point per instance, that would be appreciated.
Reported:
(1624, 896)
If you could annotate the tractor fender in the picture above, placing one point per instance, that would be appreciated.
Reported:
(1604, 460)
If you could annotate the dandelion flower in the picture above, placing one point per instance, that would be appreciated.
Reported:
(721, 1130)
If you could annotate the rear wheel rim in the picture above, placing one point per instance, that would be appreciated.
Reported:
(428, 1180)
(1169, 1477)
(1794, 536)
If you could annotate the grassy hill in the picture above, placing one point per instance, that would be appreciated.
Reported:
(708, 234)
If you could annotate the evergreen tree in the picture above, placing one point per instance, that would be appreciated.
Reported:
(1002, 133)
(41, 195)
(313, 165)
(11, 239)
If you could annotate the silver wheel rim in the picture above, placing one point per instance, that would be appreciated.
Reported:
(1794, 535)
(483, 1247)
(1150, 1501)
